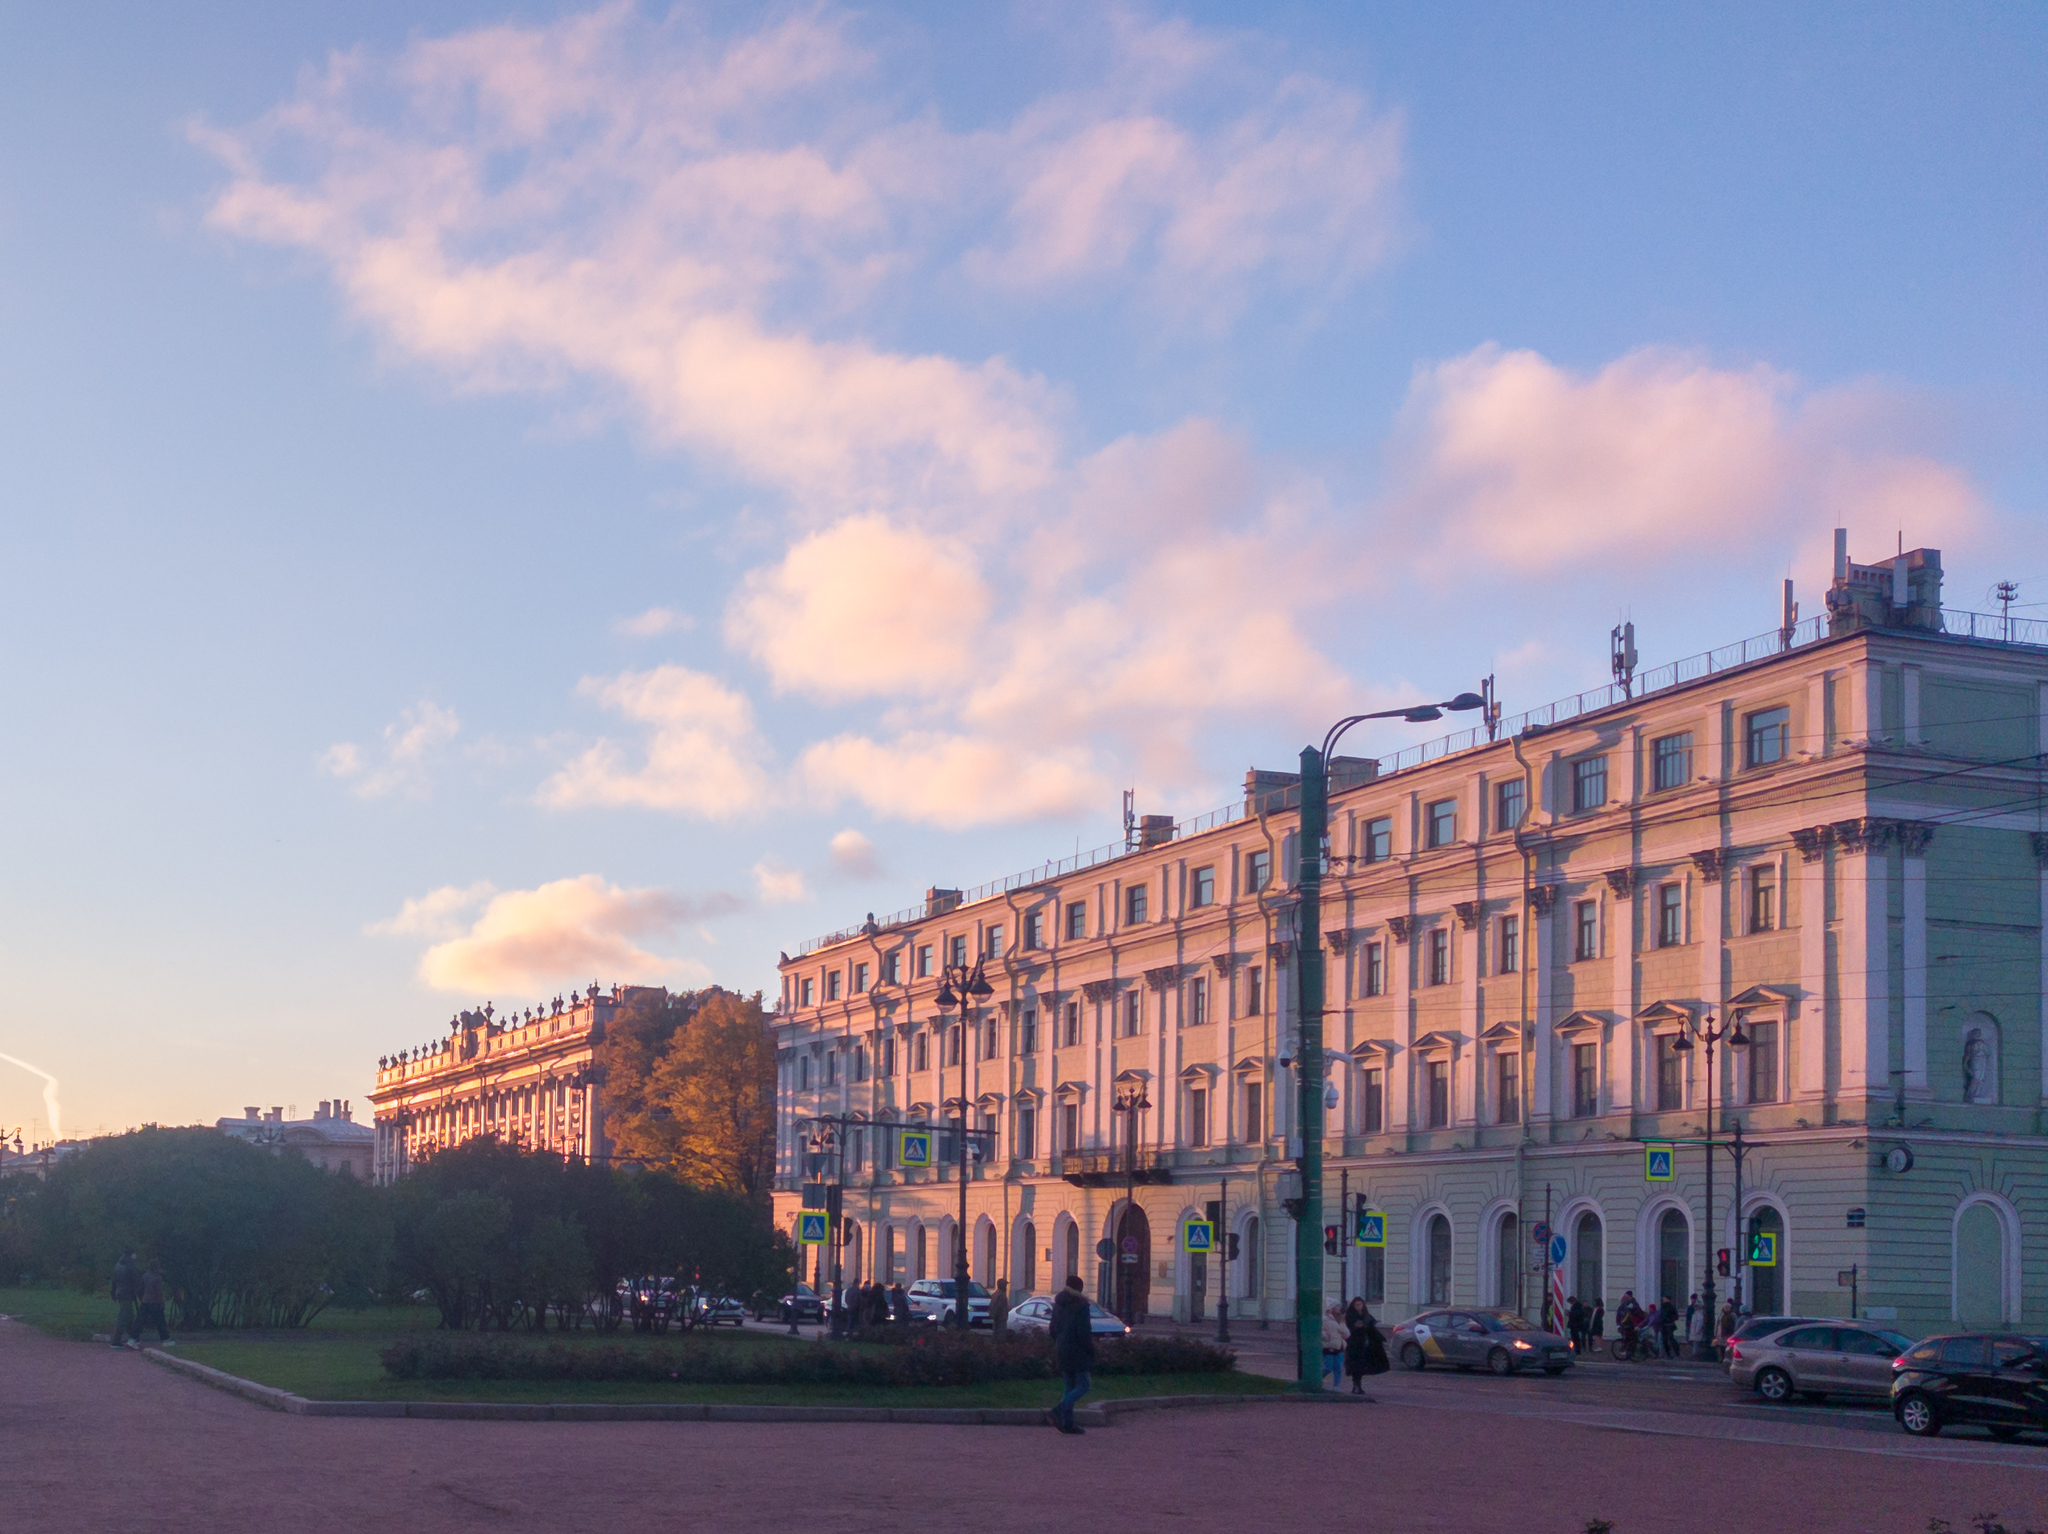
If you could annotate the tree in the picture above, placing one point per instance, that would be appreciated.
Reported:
(636, 1121)
(716, 1080)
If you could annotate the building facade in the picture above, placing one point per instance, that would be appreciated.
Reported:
(528, 1078)
(331, 1139)
(1833, 836)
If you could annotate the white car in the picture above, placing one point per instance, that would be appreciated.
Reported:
(931, 1299)
(1035, 1315)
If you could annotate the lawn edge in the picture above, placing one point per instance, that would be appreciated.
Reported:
(1101, 1415)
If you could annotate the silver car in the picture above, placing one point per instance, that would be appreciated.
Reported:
(1817, 1360)
(931, 1299)
(1035, 1315)
(1498, 1341)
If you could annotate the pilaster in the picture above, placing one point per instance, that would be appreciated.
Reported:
(1913, 839)
(1863, 977)
(1538, 945)
(1622, 955)
(1809, 1033)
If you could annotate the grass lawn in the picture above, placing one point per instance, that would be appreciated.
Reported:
(335, 1359)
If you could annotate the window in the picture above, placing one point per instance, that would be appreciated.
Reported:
(860, 1062)
(831, 985)
(1372, 1102)
(1763, 1062)
(1254, 1112)
(1507, 1084)
(1510, 944)
(892, 969)
(1136, 899)
(924, 960)
(1258, 870)
(1072, 1036)
(1766, 737)
(1671, 761)
(1670, 915)
(1439, 956)
(1585, 1080)
(1439, 1093)
(956, 950)
(810, 993)
(1443, 822)
(1375, 969)
(1585, 930)
(1763, 899)
(1510, 804)
(1254, 990)
(991, 1041)
(1077, 920)
(1198, 1116)
(992, 942)
(1589, 784)
(1026, 1147)
(920, 1052)
(1670, 1073)
(1376, 840)
(1034, 929)
(1439, 1260)
(831, 1067)
(803, 1073)
(953, 1045)
(1372, 1275)
(1134, 1014)
(1027, 1033)
(1198, 1002)
(1202, 888)
(1070, 1127)
(885, 1056)
(860, 978)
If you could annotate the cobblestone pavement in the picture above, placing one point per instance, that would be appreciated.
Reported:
(99, 1440)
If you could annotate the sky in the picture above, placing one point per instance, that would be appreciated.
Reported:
(499, 498)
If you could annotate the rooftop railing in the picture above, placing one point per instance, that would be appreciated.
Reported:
(1989, 628)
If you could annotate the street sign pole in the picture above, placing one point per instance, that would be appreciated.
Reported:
(1308, 969)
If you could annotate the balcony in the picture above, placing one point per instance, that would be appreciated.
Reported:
(1106, 1168)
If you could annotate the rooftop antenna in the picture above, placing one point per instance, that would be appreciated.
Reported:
(1788, 617)
(1130, 820)
(1490, 709)
(1623, 645)
(2006, 593)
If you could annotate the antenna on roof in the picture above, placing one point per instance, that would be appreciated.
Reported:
(1130, 820)
(1788, 617)
(1623, 644)
(2006, 593)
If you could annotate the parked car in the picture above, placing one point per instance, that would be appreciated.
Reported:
(932, 1299)
(802, 1304)
(1035, 1315)
(720, 1310)
(1757, 1326)
(1817, 1360)
(1499, 1341)
(1996, 1380)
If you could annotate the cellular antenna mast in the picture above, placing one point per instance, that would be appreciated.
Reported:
(1623, 642)
(2007, 593)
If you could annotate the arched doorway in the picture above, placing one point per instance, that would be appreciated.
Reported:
(1674, 1247)
(1439, 1259)
(1251, 1261)
(1589, 1272)
(1070, 1266)
(1024, 1259)
(1507, 1279)
(1980, 1268)
(1133, 1263)
(1767, 1284)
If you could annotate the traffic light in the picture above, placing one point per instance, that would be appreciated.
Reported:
(1721, 1261)
(1233, 1247)
(1330, 1239)
(1213, 1212)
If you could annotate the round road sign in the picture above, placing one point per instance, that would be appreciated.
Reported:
(1105, 1249)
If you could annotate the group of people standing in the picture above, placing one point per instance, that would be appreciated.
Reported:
(876, 1304)
(1352, 1344)
(138, 1295)
(1586, 1325)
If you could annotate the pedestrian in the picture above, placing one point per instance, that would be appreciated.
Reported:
(1628, 1319)
(878, 1304)
(1728, 1319)
(999, 1308)
(1696, 1319)
(1598, 1325)
(1575, 1318)
(1365, 1346)
(124, 1289)
(150, 1290)
(1334, 1340)
(1667, 1326)
(899, 1302)
(1073, 1348)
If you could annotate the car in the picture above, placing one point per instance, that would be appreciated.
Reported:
(720, 1310)
(1997, 1380)
(1757, 1326)
(802, 1304)
(1035, 1315)
(1817, 1360)
(932, 1299)
(1499, 1341)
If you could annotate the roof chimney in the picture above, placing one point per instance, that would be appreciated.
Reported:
(252, 1114)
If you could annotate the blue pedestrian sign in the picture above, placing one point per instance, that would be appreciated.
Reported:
(1197, 1236)
(812, 1227)
(914, 1147)
(1557, 1251)
(1657, 1161)
(1763, 1250)
(1372, 1228)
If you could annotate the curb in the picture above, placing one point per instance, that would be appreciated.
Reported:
(576, 1411)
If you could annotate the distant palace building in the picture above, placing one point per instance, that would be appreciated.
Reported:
(526, 1078)
(1833, 835)
(331, 1139)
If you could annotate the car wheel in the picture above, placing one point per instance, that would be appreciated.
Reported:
(2005, 1434)
(1774, 1385)
(1500, 1362)
(1917, 1416)
(1411, 1357)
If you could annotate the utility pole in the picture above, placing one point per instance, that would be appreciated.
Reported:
(1308, 961)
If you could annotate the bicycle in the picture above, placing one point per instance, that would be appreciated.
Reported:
(1635, 1347)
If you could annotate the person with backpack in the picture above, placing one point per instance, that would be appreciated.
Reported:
(1073, 1347)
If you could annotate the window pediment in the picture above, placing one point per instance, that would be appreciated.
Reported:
(1580, 1025)
(1071, 1091)
(1666, 1017)
(1373, 1049)
(1199, 1075)
(1501, 1034)
(1764, 996)
(1249, 1068)
(1441, 1042)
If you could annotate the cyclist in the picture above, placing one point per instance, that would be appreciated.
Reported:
(1629, 1316)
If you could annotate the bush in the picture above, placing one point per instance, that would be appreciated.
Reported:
(928, 1357)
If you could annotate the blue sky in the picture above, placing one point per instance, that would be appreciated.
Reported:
(500, 498)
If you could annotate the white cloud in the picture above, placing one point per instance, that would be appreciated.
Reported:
(532, 942)
(411, 745)
(702, 754)
(436, 914)
(780, 884)
(954, 781)
(853, 856)
(655, 622)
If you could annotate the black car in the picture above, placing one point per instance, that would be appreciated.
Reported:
(1998, 1381)
(803, 1304)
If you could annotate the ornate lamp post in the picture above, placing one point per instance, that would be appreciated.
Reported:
(1129, 1101)
(963, 988)
(1709, 1034)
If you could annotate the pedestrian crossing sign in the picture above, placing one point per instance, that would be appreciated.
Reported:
(914, 1147)
(1657, 1163)
(1197, 1236)
(812, 1227)
(1372, 1228)
(1763, 1250)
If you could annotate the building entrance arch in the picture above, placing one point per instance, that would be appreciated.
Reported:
(1130, 1268)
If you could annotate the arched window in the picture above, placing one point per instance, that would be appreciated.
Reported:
(892, 1257)
(1588, 1243)
(921, 1263)
(1507, 1283)
(1071, 1266)
(1024, 1259)
(1439, 1260)
(1251, 1260)
(1674, 1244)
(1767, 1284)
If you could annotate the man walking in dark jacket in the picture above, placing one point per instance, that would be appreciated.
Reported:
(1073, 1347)
(126, 1282)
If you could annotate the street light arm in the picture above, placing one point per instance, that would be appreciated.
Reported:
(1414, 713)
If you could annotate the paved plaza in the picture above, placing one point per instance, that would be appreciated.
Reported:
(101, 1440)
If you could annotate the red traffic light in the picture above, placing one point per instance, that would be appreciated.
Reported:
(1330, 1239)
(1721, 1261)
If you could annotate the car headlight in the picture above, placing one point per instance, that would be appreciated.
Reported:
(1521, 1344)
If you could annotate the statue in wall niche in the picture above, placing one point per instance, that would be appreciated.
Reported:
(1980, 1070)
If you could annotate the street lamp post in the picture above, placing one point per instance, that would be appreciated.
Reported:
(1308, 958)
(1710, 1034)
(1131, 1102)
(962, 987)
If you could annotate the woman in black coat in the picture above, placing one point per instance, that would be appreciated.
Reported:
(1365, 1348)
